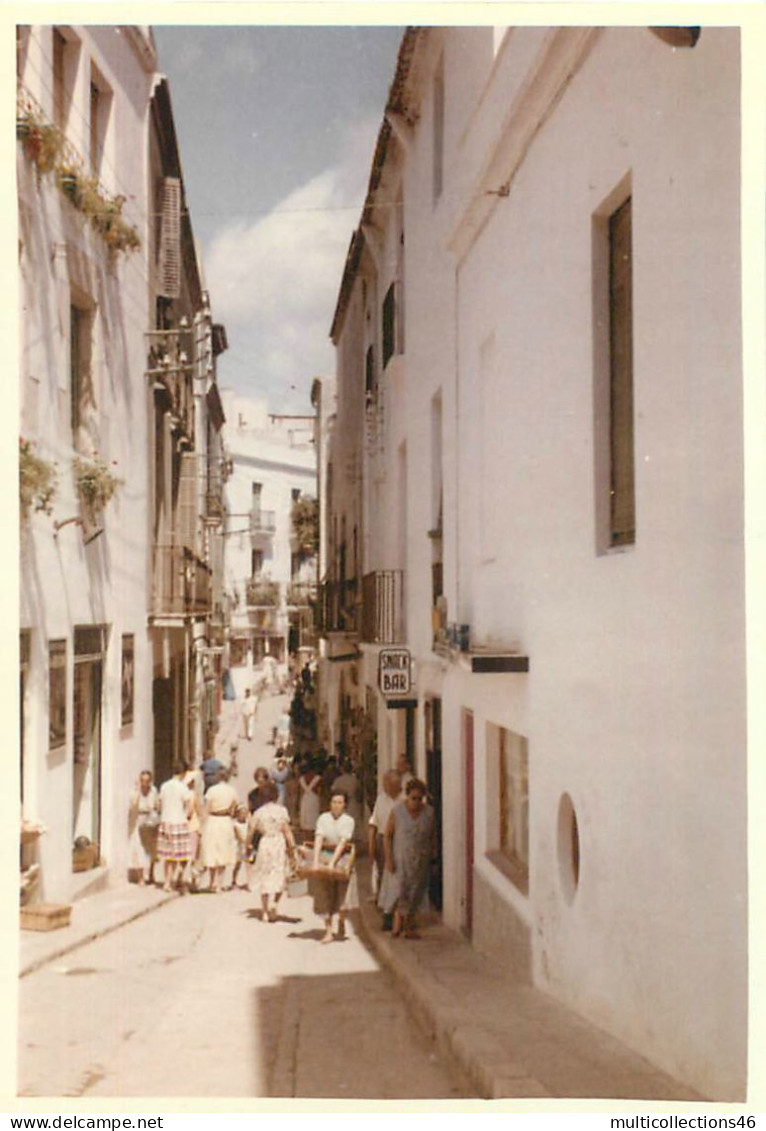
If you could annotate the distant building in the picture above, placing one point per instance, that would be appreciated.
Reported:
(270, 575)
(534, 488)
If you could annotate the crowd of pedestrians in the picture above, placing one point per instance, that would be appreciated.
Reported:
(304, 816)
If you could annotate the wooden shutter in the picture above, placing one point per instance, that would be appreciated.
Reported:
(187, 501)
(169, 273)
(622, 485)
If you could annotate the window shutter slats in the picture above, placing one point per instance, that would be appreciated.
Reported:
(169, 273)
(187, 501)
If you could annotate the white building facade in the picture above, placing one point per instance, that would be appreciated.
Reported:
(270, 577)
(86, 711)
(122, 419)
(549, 491)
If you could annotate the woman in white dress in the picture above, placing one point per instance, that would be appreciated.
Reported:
(144, 820)
(309, 785)
(219, 842)
(334, 892)
(276, 849)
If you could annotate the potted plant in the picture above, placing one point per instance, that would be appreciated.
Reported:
(68, 177)
(96, 484)
(37, 480)
(43, 145)
(23, 125)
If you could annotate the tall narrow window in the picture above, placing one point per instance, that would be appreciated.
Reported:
(80, 390)
(94, 124)
(621, 428)
(389, 325)
(59, 88)
(438, 91)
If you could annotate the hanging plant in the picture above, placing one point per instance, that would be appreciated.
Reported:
(262, 591)
(95, 482)
(38, 480)
(69, 181)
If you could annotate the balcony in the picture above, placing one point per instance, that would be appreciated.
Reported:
(263, 524)
(182, 583)
(383, 607)
(169, 368)
(337, 608)
(300, 594)
(261, 593)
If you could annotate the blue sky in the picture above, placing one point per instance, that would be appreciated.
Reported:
(276, 128)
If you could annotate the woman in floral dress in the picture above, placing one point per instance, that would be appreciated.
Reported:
(276, 849)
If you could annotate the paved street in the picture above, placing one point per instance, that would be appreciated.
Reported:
(200, 998)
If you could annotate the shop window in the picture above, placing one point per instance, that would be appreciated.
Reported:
(127, 678)
(508, 804)
(56, 694)
(238, 649)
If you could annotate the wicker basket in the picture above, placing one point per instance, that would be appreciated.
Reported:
(83, 859)
(45, 916)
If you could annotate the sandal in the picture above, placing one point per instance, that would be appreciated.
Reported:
(327, 938)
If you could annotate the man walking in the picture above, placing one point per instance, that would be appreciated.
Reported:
(248, 711)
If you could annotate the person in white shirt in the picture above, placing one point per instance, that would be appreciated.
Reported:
(384, 803)
(402, 767)
(249, 710)
(174, 841)
(333, 882)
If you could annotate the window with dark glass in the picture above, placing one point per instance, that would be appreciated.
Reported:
(621, 423)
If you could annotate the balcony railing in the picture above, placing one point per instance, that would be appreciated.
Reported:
(169, 367)
(383, 607)
(263, 522)
(182, 583)
(337, 608)
(301, 593)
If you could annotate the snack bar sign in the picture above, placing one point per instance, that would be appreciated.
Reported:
(395, 671)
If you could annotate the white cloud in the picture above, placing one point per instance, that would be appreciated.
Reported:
(274, 283)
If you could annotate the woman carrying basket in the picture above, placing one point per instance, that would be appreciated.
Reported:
(333, 880)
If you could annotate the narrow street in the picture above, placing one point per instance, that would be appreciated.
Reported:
(202, 998)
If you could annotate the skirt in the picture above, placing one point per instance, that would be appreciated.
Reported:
(174, 842)
(332, 895)
(219, 843)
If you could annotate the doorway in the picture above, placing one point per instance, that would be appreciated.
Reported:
(87, 759)
(433, 717)
(468, 792)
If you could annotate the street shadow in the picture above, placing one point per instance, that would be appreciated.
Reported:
(257, 913)
(321, 1036)
(315, 934)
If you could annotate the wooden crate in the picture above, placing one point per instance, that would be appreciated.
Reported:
(45, 916)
